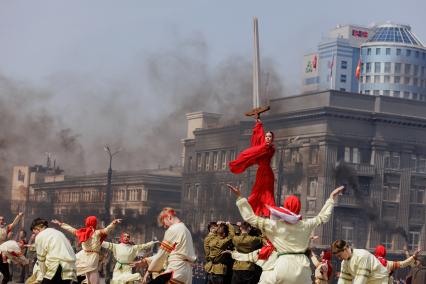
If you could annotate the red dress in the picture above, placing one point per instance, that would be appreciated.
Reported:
(261, 154)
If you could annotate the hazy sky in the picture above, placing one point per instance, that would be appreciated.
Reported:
(93, 60)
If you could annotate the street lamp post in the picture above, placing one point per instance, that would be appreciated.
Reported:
(107, 217)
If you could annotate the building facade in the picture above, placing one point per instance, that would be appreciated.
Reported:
(333, 65)
(137, 197)
(394, 63)
(373, 144)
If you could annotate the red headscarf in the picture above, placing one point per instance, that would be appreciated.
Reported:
(84, 234)
(122, 240)
(292, 203)
(326, 259)
(380, 254)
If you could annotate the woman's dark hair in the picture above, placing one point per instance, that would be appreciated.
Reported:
(223, 228)
(39, 222)
(338, 246)
(273, 135)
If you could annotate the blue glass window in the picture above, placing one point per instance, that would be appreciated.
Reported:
(397, 79)
(344, 64)
(378, 51)
(398, 51)
(387, 67)
(417, 54)
(407, 69)
(343, 78)
(377, 66)
(397, 67)
(388, 51)
(408, 52)
(368, 51)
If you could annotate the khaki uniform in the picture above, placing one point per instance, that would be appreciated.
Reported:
(210, 236)
(217, 247)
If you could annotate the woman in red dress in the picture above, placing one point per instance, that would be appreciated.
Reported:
(261, 152)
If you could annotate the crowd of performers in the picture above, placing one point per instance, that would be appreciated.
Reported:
(273, 244)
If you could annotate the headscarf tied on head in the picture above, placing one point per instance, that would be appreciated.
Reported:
(85, 233)
(123, 240)
(380, 254)
(326, 259)
(289, 213)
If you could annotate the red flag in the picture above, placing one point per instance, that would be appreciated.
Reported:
(314, 62)
(358, 69)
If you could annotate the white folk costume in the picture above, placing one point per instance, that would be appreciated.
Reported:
(54, 250)
(380, 254)
(125, 255)
(177, 253)
(290, 240)
(6, 229)
(267, 265)
(362, 268)
(12, 251)
(91, 240)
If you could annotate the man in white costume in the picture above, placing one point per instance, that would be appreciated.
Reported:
(125, 254)
(55, 255)
(6, 229)
(359, 266)
(289, 234)
(176, 251)
(10, 250)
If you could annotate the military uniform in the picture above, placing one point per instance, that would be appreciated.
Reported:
(220, 261)
(245, 271)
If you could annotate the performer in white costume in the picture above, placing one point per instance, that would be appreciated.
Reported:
(176, 251)
(10, 251)
(91, 239)
(125, 254)
(358, 266)
(6, 229)
(55, 255)
(289, 234)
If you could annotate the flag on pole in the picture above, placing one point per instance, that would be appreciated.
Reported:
(358, 69)
(330, 65)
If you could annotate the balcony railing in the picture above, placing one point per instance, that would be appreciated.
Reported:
(364, 169)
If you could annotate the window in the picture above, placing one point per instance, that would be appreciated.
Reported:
(398, 51)
(408, 52)
(343, 78)
(386, 78)
(311, 206)
(367, 92)
(397, 68)
(406, 95)
(215, 161)
(377, 66)
(347, 233)
(199, 162)
(407, 69)
(413, 238)
(387, 240)
(391, 193)
(313, 155)
(344, 64)
(207, 161)
(416, 70)
(352, 155)
(417, 54)
(415, 96)
(396, 79)
(367, 79)
(196, 193)
(376, 92)
(368, 67)
(312, 186)
(422, 73)
(417, 194)
(368, 51)
(386, 92)
(376, 78)
(189, 165)
(392, 159)
(415, 81)
(223, 160)
(388, 51)
(387, 67)
(342, 89)
(406, 80)
(378, 51)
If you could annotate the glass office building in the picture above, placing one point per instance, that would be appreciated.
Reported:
(393, 63)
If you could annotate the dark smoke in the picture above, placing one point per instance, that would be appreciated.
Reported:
(347, 176)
